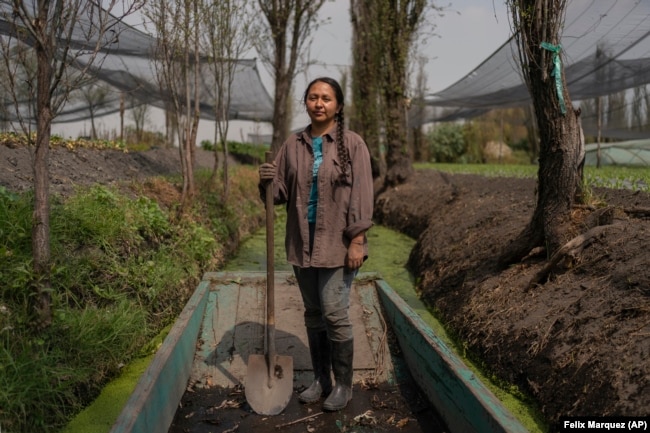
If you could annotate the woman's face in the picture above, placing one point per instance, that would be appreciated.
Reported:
(321, 104)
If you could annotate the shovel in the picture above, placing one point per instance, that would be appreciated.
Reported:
(269, 377)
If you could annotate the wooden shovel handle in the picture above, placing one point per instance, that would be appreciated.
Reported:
(270, 279)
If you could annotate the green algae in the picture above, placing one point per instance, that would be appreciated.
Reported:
(100, 416)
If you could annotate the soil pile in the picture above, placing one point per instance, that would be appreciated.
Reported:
(579, 341)
(83, 166)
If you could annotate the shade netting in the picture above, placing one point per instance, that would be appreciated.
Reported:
(605, 48)
(126, 69)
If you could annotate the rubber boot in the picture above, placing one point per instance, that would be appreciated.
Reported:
(342, 354)
(319, 349)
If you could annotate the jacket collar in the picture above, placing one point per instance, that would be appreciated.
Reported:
(305, 135)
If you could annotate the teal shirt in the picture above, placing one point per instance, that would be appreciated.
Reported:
(317, 143)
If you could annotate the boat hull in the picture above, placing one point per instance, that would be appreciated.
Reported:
(222, 325)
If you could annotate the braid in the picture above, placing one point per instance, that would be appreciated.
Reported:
(344, 157)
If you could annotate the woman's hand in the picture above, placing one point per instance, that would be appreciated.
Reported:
(354, 258)
(267, 172)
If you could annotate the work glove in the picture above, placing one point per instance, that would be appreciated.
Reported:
(267, 172)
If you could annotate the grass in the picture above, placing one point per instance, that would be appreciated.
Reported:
(617, 177)
(122, 267)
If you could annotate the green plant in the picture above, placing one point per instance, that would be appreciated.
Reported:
(617, 177)
(15, 248)
(502, 170)
(122, 269)
(446, 143)
(255, 151)
(207, 145)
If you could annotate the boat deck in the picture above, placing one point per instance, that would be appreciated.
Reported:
(233, 328)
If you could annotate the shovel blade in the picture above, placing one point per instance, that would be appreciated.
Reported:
(268, 397)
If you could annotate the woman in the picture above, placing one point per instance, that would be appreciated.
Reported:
(323, 176)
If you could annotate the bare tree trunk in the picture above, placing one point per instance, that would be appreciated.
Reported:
(190, 121)
(41, 223)
(121, 117)
(398, 158)
(280, 121)
(539, 23)
(215, 168)
(226, 174)
(289, 25)
(533, 138)
(93, 130)
(418, 109)
(196, 114)
(599, 126)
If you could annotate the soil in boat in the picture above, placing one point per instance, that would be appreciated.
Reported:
(384, 409)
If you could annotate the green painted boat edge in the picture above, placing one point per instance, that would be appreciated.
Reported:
(462, 400)
(152, 405)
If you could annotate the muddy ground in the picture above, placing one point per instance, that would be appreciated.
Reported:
(384, 409)
(578, 343)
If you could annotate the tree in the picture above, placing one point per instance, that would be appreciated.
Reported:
(178, 63)
(533, 136)
(401, 20)
(93, 95)
(367, 52)
(140, 115)
(52, 29)
(418, 114)
(227, 32)
(285, 36)
(385, 32)
(537, 25)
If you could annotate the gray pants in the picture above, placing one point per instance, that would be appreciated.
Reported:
(326, 297)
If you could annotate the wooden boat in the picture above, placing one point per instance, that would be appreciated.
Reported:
(223, 322)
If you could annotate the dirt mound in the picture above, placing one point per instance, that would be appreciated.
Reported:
(71, 168)
(579, 342)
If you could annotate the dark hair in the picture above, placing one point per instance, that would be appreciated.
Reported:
(340, 121)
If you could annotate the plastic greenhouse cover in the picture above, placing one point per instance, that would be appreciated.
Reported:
(626, 153)
(605, 48)
(127, 66)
